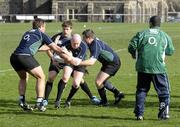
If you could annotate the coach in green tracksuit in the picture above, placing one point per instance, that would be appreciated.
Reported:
(149, 48)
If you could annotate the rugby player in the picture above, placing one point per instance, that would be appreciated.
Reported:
(110, 65)
(23, 61)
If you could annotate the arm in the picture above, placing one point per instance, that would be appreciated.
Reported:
(62, 52)
(49, 53)
(75, 61)
(88, 62)
(44, 48)
(133, 46)
(170, 48)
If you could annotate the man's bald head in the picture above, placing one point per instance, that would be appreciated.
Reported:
(75, 41)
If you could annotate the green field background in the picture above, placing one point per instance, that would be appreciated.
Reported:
(82, 113)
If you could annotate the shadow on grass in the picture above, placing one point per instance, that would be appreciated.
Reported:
(82, 116)
(151, 95)
(5, 103)
(11, 107)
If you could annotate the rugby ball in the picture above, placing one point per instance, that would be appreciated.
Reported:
(57, 58)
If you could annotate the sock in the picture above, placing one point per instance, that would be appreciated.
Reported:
(48, 89)
(111, 88)
(39, 99)
(86, 89)
(61, 86)
(72, 92)
(102, 93)
(22, 98)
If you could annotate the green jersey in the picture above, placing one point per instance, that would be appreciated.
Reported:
(149, 47)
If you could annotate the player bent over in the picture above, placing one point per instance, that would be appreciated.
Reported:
(110, 65)
(23, 61)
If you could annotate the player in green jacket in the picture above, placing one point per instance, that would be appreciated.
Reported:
(149, 48)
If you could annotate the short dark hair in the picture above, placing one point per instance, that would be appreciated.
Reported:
(67, 23)
(155, 21)
(37, 23)
(88, 33)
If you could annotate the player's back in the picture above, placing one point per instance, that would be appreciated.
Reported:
(151, 51)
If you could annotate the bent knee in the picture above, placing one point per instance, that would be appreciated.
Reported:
(51, 78)
(76, 86)
(41, 76)
(65, 79)
(98, 82)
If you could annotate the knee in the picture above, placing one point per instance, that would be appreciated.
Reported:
(98, 82)
(41, 76)
(76, 84)
(51, 78)
(65, 79)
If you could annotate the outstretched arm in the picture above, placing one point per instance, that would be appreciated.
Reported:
(88, 62)
(61, 51)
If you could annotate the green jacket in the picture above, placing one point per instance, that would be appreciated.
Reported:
(149, 47)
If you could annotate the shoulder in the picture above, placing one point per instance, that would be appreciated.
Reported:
(54, 36)
(97, 41)
(83, 44)
(164, 33)
(44, 35)
(65, 42)
(142, 32)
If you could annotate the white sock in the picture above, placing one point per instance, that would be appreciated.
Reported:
(39, 100)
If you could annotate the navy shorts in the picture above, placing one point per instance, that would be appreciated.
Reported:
(23, 62)
(111, 68)
(53, 67)
(79, 68)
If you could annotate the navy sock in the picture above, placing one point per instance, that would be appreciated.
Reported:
(111, 88)
(61, 86)
(86, 89)
(22, 98)
(102, 93)
(48, 89)
(72, 92)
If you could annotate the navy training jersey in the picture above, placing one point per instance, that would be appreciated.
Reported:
(31, 41)
(102, 52)
(80, 52)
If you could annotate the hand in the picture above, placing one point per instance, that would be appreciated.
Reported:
(65, 51)
(70, 53)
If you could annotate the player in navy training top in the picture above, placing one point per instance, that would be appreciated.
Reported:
(110, 65)
(78, 49)
(23, 61)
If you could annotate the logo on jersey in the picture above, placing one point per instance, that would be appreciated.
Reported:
(27, 37)
(152, 41)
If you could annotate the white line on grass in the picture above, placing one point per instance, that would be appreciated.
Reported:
(2, 71)
(120, 50)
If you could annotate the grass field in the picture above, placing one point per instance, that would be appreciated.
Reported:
(82, 113)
